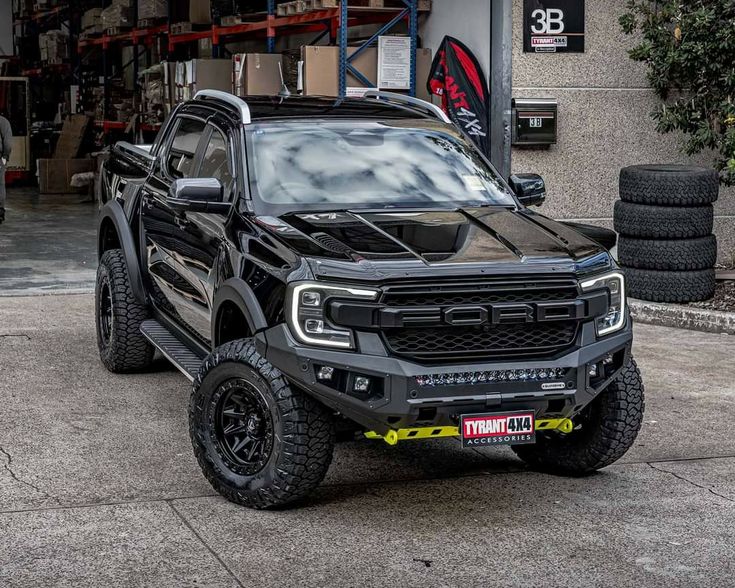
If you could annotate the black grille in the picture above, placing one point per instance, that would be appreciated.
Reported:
(452, 343)
(440, 343)
(455, 298)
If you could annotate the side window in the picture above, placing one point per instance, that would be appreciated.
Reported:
(215, 162)
(183, 148)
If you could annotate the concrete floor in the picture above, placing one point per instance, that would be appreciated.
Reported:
(99, 486)
(47, 243)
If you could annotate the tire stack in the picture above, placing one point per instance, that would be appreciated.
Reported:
(664, 218)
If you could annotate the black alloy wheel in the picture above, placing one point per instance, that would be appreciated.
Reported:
(259, 441)
(243, 427)
(105, 313)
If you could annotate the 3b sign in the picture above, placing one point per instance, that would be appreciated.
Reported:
(547, 22)
(553, 26)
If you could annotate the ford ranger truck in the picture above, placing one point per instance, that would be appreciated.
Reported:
(324, 269)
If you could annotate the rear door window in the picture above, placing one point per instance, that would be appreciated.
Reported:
(216, 161)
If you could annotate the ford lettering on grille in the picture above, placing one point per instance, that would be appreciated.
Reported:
(502, 313)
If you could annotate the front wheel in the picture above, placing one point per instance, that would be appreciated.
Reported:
(259, 442)
(603, 431)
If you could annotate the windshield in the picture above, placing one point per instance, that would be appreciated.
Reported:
(345, 165)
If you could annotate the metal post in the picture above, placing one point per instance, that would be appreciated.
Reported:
(342, 38)
(501, 35)
(413, 27)
(271, 39)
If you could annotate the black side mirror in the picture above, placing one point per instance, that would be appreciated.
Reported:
(529, 188)
(197, 195)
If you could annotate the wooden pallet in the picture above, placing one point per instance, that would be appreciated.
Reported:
(321, 4)
(181, 28)
(228, 21)
(117, 31)
(422, 5)
(149, 23)
(86, 35)
(303, 6)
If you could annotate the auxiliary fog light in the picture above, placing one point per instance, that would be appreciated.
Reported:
(593, 370)
(325, 373)
(361, 384)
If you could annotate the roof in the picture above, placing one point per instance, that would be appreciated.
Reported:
(270, 107)
(263, 108)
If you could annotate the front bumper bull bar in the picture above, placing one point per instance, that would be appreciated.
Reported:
(397, 401)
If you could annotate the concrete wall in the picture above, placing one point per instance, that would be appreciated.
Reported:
(604, 122)
(467, 20)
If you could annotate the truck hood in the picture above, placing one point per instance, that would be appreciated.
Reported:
(385, 244)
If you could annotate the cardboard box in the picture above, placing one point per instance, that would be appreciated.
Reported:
(152, 9)
(256, 74)
(72, 135)
(54, 175)
(200, 12)
(321, 69)
(92, 20)
(202, 74)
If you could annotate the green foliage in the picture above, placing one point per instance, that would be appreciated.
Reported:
(689, 48)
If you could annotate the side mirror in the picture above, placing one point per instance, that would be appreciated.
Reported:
(197, 195)
(529, 188)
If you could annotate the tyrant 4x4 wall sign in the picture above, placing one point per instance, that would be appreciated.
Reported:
(553, 26)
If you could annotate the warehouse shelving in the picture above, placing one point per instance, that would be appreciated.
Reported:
(333, 21)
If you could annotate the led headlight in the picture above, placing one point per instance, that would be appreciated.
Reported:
(615, 317)
(306, 317)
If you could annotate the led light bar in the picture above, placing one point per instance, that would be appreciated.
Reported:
(525, 375)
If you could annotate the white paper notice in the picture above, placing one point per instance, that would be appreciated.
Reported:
(394, 63)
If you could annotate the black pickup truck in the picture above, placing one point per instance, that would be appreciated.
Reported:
(326, 268)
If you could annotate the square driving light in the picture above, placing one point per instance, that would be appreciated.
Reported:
(325, 373)
(361, 384)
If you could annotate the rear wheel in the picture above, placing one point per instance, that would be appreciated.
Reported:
(118, 316)
(259, 442)
(603, 431)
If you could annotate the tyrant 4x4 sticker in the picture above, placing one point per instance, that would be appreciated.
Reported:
(507, 428)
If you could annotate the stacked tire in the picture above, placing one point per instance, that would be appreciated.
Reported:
(664, 218)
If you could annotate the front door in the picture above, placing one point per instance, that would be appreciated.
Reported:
(181, 247)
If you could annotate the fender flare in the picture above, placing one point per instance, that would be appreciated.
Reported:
(235, 290)
(114, 212)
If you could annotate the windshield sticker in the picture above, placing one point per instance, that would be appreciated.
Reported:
(474, 183)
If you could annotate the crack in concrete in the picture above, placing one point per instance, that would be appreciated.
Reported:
(7, 465)
(688, 481)
(216, 556)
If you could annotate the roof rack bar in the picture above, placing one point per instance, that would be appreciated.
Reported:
(395, 98)
(238, 103)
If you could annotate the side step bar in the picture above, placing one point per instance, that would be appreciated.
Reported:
(185, 360)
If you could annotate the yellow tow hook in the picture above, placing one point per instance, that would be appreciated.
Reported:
(393, 436)
(562, 425)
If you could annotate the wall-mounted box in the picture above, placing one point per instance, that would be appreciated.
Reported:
(534, 121)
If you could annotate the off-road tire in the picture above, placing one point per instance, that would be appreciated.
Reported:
(122, 346)
(668, 254)
(663, 222)
(603, 431)
(669, 185)
(670, 286)
(303, 432)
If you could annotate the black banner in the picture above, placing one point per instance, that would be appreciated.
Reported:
(457, 77)
(553, 26)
